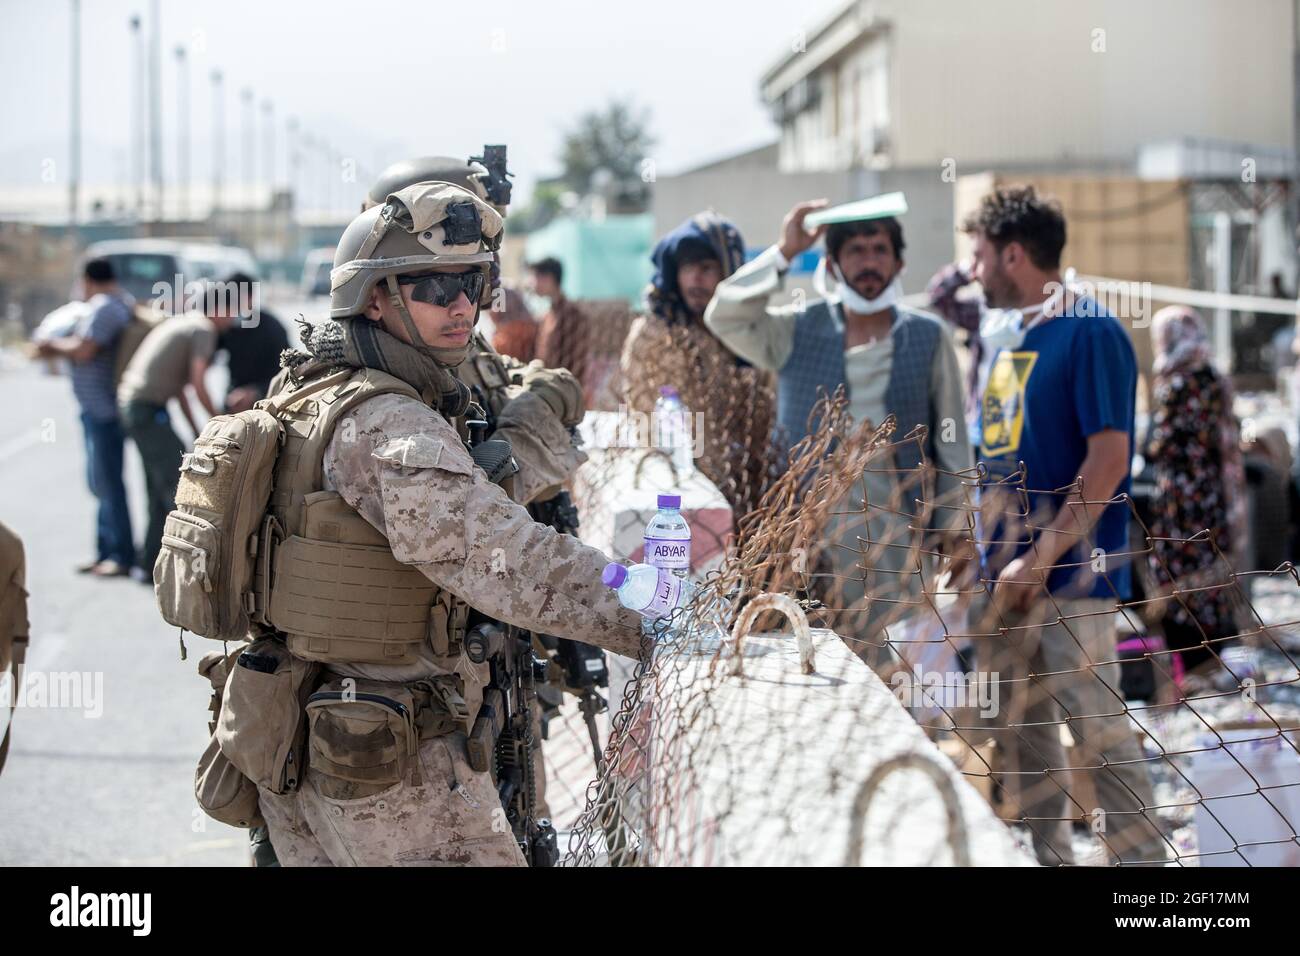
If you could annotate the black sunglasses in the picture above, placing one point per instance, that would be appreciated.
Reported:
(442, 288)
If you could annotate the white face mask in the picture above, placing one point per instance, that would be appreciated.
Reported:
(1006, 328)
(845, 294)
(1002, 329)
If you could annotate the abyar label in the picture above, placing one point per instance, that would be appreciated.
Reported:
(670, 553)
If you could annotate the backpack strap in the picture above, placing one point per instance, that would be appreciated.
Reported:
(283, 400)
(309, 431)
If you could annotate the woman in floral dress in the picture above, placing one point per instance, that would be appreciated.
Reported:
(1194, 450)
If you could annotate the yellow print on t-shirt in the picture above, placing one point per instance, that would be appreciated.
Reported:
(1003, 411)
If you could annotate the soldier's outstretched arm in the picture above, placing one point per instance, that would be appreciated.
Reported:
(403, 468)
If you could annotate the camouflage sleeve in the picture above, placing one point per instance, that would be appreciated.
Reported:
(546, 455)
(404, 469)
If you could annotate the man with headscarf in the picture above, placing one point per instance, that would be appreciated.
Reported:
(670, 345)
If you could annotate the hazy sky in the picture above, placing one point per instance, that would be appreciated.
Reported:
(383, 79)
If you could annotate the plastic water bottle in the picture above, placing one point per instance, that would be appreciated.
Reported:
(651, 592)
(673, 421)
(668, 538)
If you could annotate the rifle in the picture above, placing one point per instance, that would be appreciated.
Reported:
(501, 740)
(498, 184)
(502, 737)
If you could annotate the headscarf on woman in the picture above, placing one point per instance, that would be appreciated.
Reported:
(1182, 346)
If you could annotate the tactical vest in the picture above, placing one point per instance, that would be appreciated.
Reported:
(818, 361)
(336, 591)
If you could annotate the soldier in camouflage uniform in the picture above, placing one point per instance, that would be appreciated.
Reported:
(409, 277)
(536, 420)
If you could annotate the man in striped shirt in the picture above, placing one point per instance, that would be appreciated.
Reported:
(90, 351)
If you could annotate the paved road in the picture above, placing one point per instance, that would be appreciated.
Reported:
(115, 789)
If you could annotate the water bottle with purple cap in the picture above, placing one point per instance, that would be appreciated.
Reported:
(672, 424)
(668, 538)
(651, 592)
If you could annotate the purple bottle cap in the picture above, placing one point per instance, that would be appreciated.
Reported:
(670, 501)
(668, 391)
(614, 575)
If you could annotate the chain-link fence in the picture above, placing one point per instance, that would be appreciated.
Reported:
(1067, 712)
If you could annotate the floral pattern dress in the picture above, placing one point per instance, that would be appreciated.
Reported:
(1191, 496)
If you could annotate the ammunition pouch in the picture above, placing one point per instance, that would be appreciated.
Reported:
(260, 728)
(491, 720)
(364, 735)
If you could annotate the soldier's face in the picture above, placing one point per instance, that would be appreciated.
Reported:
(441, 326)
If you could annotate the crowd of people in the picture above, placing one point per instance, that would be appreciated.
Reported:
(1047, 403)
(126, 365)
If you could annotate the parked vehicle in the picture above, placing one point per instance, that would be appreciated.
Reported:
(160, 269)
(316, 273)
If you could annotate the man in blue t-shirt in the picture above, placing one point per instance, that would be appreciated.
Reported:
(1056, 421)
(90, 351)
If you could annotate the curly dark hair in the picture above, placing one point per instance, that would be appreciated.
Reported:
(1017, 214)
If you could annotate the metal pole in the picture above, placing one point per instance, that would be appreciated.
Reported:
(219, 139)
(291, 153)
(336, 179)
(1223, 283)
(74, 150)
(182, 134)
(1295, 116)
(326, 183)
(137, 115)
(269, 222)
(268, 154)
(250, 177)
(291, 235)
(155, 110)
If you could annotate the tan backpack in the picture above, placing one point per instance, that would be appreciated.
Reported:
(207, 579)
(144, 319)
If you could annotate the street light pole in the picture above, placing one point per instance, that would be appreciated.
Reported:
(250, 177)
(219, 141)
(268, 114)
(155, 110)
(183, 133)
(137, 115)
(74, 158)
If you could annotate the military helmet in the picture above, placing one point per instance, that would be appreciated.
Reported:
(417, 229)
(425, 169)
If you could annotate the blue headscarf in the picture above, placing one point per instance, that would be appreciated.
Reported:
(707, 229)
